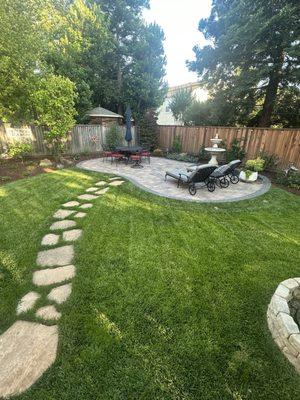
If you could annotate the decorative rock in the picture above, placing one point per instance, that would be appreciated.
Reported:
(279, 304)
(71, 236)
(286, 325)
(87, 197)
(62, 214)
(283, 292)
(45, 163)
(60, 293)
(65, 224)
(48, 313)
(116, 183)
(60, 166)
(80, 215)
(59, 256)
(91, 189)
(86, 206)
(54, 275)
(50, 240)
(101, 183)
(27, 350)
(295, 341)
(71, 204)
(290, 284)
(102, 191)
(27, 302)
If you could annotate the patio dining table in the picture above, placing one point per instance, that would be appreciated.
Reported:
(128, 151)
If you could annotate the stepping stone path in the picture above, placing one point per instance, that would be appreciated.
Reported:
(50, 240)
(28, 349)
(86, 206)
(71, 236)
(60, 225)
(114, 178)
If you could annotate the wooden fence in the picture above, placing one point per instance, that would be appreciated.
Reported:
(82, 138)
(285, 143)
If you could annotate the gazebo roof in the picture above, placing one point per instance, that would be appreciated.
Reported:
(102, 112)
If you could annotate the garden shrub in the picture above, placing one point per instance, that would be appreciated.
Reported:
(113, 136)
(292, 180)
(271, 160)
(183, 157)
(158, 153)
(236, 152)
(176, 146)
(19, 150)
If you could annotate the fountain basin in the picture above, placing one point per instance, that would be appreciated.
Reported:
(214, 151)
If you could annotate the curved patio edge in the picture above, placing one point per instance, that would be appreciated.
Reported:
(266, 185)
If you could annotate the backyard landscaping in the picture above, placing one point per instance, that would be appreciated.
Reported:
(170, 297)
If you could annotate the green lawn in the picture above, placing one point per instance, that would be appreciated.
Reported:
(170, 298)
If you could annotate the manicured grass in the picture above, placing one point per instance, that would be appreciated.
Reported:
(170, 298)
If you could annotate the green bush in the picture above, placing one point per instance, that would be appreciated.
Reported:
(183, 157)
(158, 153)
(176, 146)
(19, 150)
(236, 152)
(292, 180)
(256, 165)
(271, 160)
(113, 137)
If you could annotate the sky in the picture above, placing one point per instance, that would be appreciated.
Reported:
(179, 19)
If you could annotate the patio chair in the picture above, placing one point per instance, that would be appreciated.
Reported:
(226, 173)
(195, 179)
(145, 154)
(115, 156)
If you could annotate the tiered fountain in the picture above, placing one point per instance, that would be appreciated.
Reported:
(215, 150)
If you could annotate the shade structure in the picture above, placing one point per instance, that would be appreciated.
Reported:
(128, 136)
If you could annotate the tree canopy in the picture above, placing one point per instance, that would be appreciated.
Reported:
(252, 58)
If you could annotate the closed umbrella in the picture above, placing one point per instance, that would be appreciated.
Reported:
(128, 136)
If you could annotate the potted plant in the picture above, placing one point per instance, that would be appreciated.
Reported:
(252, 168)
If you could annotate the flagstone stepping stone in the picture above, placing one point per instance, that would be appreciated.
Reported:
(86, 206)
(50, 240)
(71, 236)
(62, 214)
(91, 189)
(101, 183)
(27, 350)
(27, 302)
(59, 256)
(116, 183)
(87, 197)
(114, 178)
(48, 313)
(71, 204)
(60, 293)
(65, 224)
(54, 275)
(80, 215)
(103, 191)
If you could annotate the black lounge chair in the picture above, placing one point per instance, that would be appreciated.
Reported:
(197, 178)
(226, 173)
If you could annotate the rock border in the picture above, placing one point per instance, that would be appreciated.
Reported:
(284, 329)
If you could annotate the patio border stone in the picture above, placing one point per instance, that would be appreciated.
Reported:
(282, 325)
(265, 187)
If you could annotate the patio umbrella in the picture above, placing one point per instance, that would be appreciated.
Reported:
(128, 136)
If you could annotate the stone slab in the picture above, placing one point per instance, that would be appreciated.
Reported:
(291, 283)
(50, 240)
(91, 189)
(114, 178)
(80, 215)
(27, 302)
(101, 183)
(87, 197)
(48, 313)
(116, 183)
(71, 204)
(279, 304)
(85, 206)
(54, 275)
(283, 292)
(102, 191)
(60, 225)
(56, 257)
(72, 235)
(62, 214)
(60, 293)
(27, 350)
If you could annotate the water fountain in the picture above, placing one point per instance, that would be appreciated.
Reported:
(215, 150)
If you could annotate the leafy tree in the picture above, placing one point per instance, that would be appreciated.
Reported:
(54, 100)
(253, 53)
(181, 102)
(113, 137)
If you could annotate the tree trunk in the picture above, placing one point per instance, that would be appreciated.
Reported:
(271, 94)
(120, 86)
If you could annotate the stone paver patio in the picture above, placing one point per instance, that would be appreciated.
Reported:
(152, 179)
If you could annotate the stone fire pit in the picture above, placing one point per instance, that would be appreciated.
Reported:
(284, 319)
